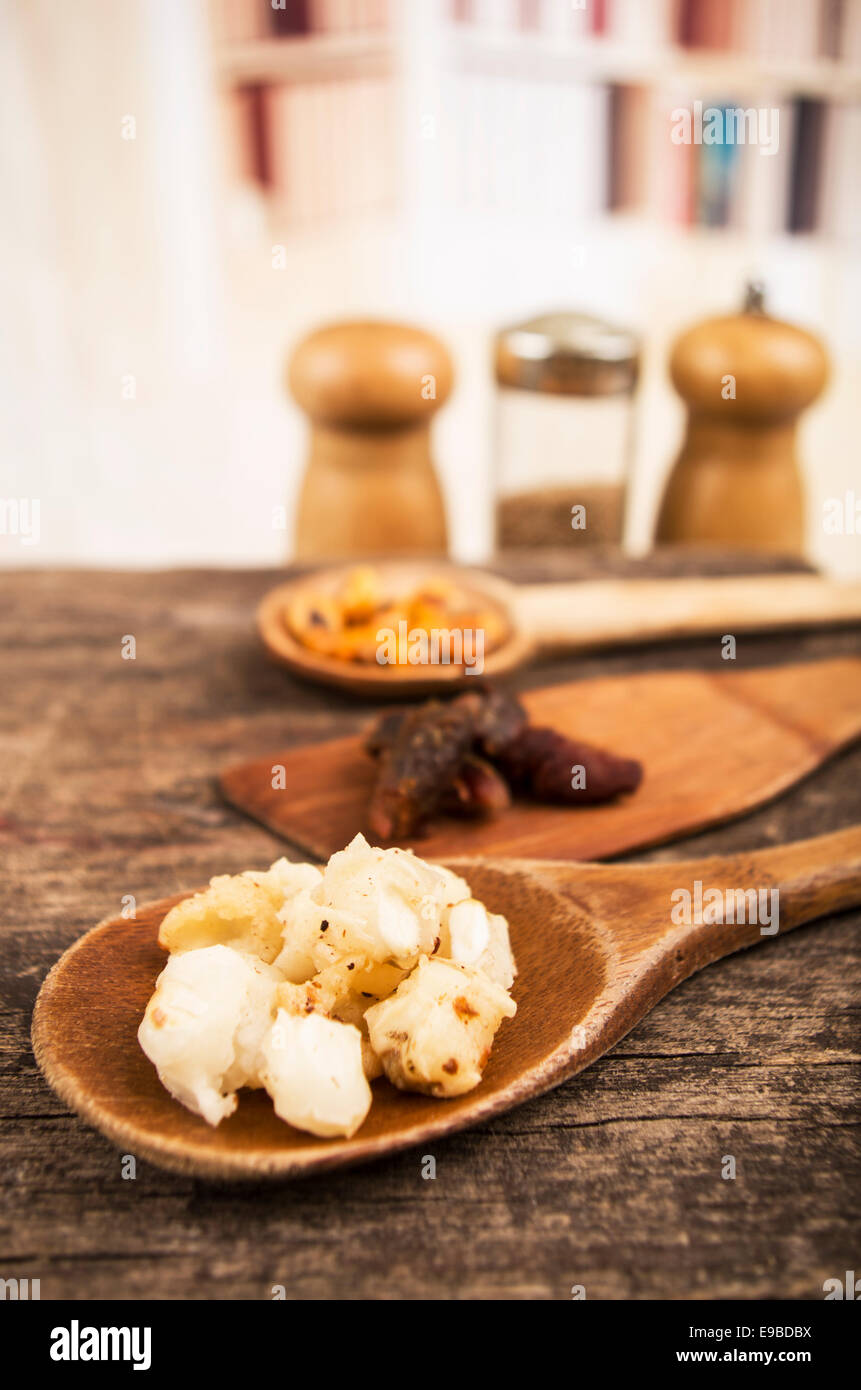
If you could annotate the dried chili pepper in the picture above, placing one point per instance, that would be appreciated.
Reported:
(477, 790)
(497, 716)
(418, 766)
(383, 732)
(545, 764)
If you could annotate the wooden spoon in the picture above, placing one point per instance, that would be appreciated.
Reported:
(596, 948)
(591, 614)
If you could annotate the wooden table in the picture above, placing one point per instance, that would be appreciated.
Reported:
(612, 1182)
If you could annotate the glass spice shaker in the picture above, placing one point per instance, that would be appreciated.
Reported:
(564, 422)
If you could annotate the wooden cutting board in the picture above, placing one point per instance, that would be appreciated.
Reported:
(713, 745)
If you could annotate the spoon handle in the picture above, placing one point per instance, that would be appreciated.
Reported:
(600, 612)
(816, 876)
(687, 912)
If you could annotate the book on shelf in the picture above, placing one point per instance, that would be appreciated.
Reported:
(762, 203)
(807, 158)
(250, 21)
(628, 147)
(641, 26)
(327, 148)
(841, 187)
(850, 31)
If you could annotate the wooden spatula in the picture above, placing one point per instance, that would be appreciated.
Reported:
(596, 947)
(591, 614)
(713, 744)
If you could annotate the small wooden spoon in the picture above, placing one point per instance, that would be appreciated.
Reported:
(591, 614)
(596, 948)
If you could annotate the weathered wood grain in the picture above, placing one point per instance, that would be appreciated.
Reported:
(107, 772)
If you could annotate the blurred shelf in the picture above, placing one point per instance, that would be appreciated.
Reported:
(321, 56)
(309, 58)
(708, 73)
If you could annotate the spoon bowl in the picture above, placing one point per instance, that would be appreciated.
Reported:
(596, 949)
(395, 681)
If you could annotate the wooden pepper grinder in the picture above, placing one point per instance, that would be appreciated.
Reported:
(745, 379)
(370, 389)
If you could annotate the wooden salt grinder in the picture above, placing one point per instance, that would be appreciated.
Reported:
(370, 389)
(745, 379)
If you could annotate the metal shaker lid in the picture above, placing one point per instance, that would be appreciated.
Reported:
(568, 354)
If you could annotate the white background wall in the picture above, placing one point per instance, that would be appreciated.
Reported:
(132, 259)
